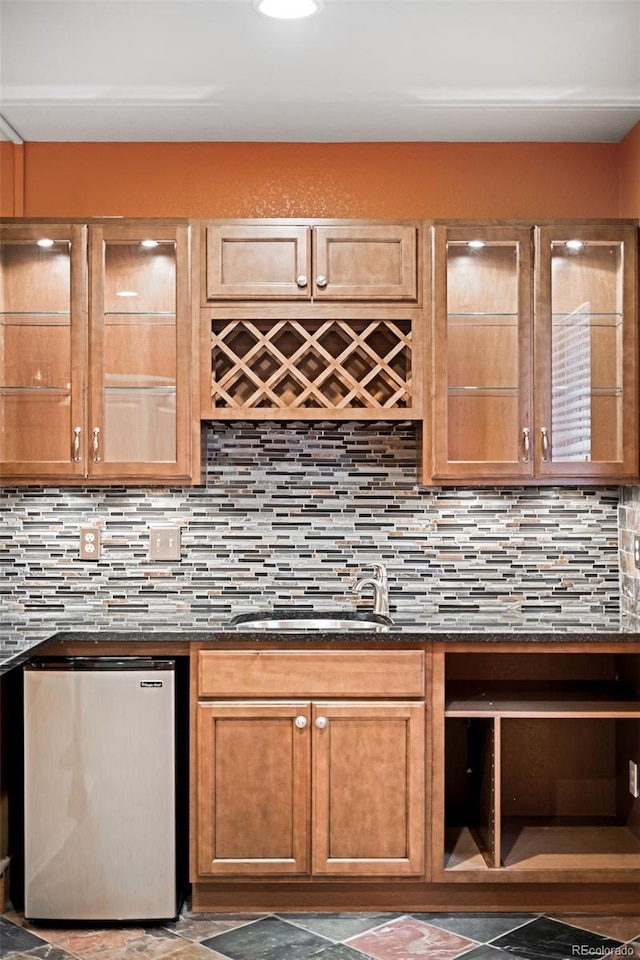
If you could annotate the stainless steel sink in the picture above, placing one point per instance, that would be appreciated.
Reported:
(286, 621)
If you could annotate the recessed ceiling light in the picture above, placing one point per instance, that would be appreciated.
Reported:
(45, 242)
(126, 293)
(288, 9)
(574, 244)
(149, 244)
(476, 244)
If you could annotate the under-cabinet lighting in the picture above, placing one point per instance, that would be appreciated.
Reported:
(476, 244)
(127, 293)
(288, 9)
(45, 242)
(149, 244)
(574, 244)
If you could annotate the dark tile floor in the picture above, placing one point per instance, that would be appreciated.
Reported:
(333, 936)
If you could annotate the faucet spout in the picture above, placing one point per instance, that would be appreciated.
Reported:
(380, 585)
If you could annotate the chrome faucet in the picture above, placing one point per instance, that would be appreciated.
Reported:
(380, 585)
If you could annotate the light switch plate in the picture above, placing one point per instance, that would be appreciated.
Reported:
(164, 543)
(89, 543)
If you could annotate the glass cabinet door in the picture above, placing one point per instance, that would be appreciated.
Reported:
(586, 350)
(42, 350)
(482, 352)
(139, 344)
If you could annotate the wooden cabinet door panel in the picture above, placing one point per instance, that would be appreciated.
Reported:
(257, 262)
(139, 409)
(482, 353)
(368, 789)
(42, 351)
(253, 788)
(586, 348)
(368, 262)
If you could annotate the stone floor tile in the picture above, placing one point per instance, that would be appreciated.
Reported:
(620, 928)
(338, 926)
(268, 939)
(547, 939)
(14, 938)
(410, 938)
(202, 927)
(482, 927)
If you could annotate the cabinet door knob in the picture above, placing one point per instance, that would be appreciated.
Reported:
(321, 281)
(95, 444)
(321, 723)
(301, 280)
(301, 722)
(76, 444)
(544, 433)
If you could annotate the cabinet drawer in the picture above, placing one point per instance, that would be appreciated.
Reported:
(313, 673)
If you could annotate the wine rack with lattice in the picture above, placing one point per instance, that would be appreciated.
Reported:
(321, 364)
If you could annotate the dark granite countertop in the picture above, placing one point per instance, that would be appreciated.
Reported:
(177, 642)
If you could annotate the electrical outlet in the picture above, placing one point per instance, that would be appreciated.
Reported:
(164, 543)
(633, 779)
(636, 551)
(89, 543)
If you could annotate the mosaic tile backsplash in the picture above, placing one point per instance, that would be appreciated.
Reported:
(629, 529)
(293, 514)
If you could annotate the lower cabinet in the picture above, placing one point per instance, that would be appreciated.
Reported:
(312, 787)
(536, 751)
(459, 776)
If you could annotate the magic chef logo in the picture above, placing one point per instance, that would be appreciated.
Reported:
(151, 683)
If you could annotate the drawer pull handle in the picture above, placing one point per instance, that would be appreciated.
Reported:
(95, 444)
(545, 444)
(301, 722)
(526, 444)
(76, 444)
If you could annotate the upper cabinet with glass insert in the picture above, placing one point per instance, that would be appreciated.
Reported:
(528, 391)
(482, 352)
(586, 351)
(95, 352)
(42, 349)
(139, 349)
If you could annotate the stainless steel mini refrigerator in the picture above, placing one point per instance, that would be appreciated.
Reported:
(100, 789)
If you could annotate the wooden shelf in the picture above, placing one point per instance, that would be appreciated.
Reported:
(543, 708)
(547, 847)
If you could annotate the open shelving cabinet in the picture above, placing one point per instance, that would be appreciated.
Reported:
(534, 779)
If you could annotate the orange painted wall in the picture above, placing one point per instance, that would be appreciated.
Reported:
(7, 175)
(630, 174)
(387, 180)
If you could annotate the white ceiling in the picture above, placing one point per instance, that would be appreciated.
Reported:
(415, 70)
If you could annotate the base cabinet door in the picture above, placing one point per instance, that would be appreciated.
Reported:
(253, 788)
(368, 789)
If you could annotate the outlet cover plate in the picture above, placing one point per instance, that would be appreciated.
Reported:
(89, 543)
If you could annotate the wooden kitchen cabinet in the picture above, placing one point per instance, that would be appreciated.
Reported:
(43, 350)
(96, 352)
(253, 788)
(324, 787)
(534, 751)
(311, 321)
(534, 389)
(300, 260)
(586, 346)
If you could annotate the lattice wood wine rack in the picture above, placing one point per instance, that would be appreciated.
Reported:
(357, 367)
